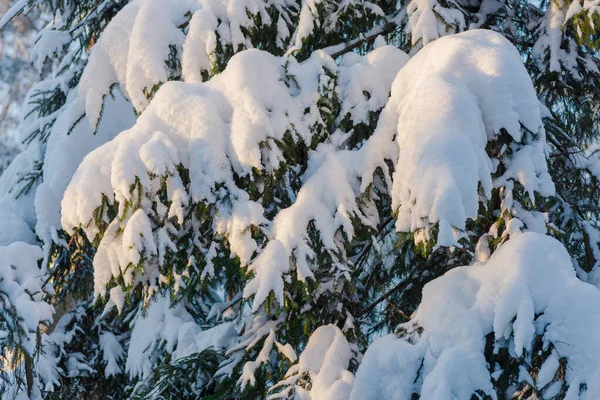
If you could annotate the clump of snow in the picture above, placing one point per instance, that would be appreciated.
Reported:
(429, 20)
(174, 330)
(50, 42)
(372, 73)
(323, 16)
(107, 64)
(17, 211)
(112, 352)
(528, 287)
(550, 49)
(325, 361)
(137, 44)
(64, 153)
(22, 287)
(447, 103)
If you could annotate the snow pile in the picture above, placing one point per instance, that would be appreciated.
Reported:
(21, 290)
(323, 365)
(447, 103)
(528, 287)
(138, 47)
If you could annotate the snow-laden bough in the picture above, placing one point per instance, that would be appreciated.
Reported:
(527, 289)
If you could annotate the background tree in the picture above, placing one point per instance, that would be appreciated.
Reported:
(16, 78)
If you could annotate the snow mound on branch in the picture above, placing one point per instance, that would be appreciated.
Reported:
(64, 153)
(430, 19)
(146, 35)
(452, 97)
(21, 296)
(528, 287)
(174, 330)
(332, 181)
(329, 199)
(214, 130)
(325, 360)
(555, 48)
(17, 212)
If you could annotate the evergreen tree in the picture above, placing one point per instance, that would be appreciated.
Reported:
(236, 199)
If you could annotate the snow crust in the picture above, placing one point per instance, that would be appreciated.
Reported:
(528, 287)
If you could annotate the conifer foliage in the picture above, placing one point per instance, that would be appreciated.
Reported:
(305, 200)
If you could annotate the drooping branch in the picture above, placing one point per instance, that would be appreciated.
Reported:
(343, 48)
